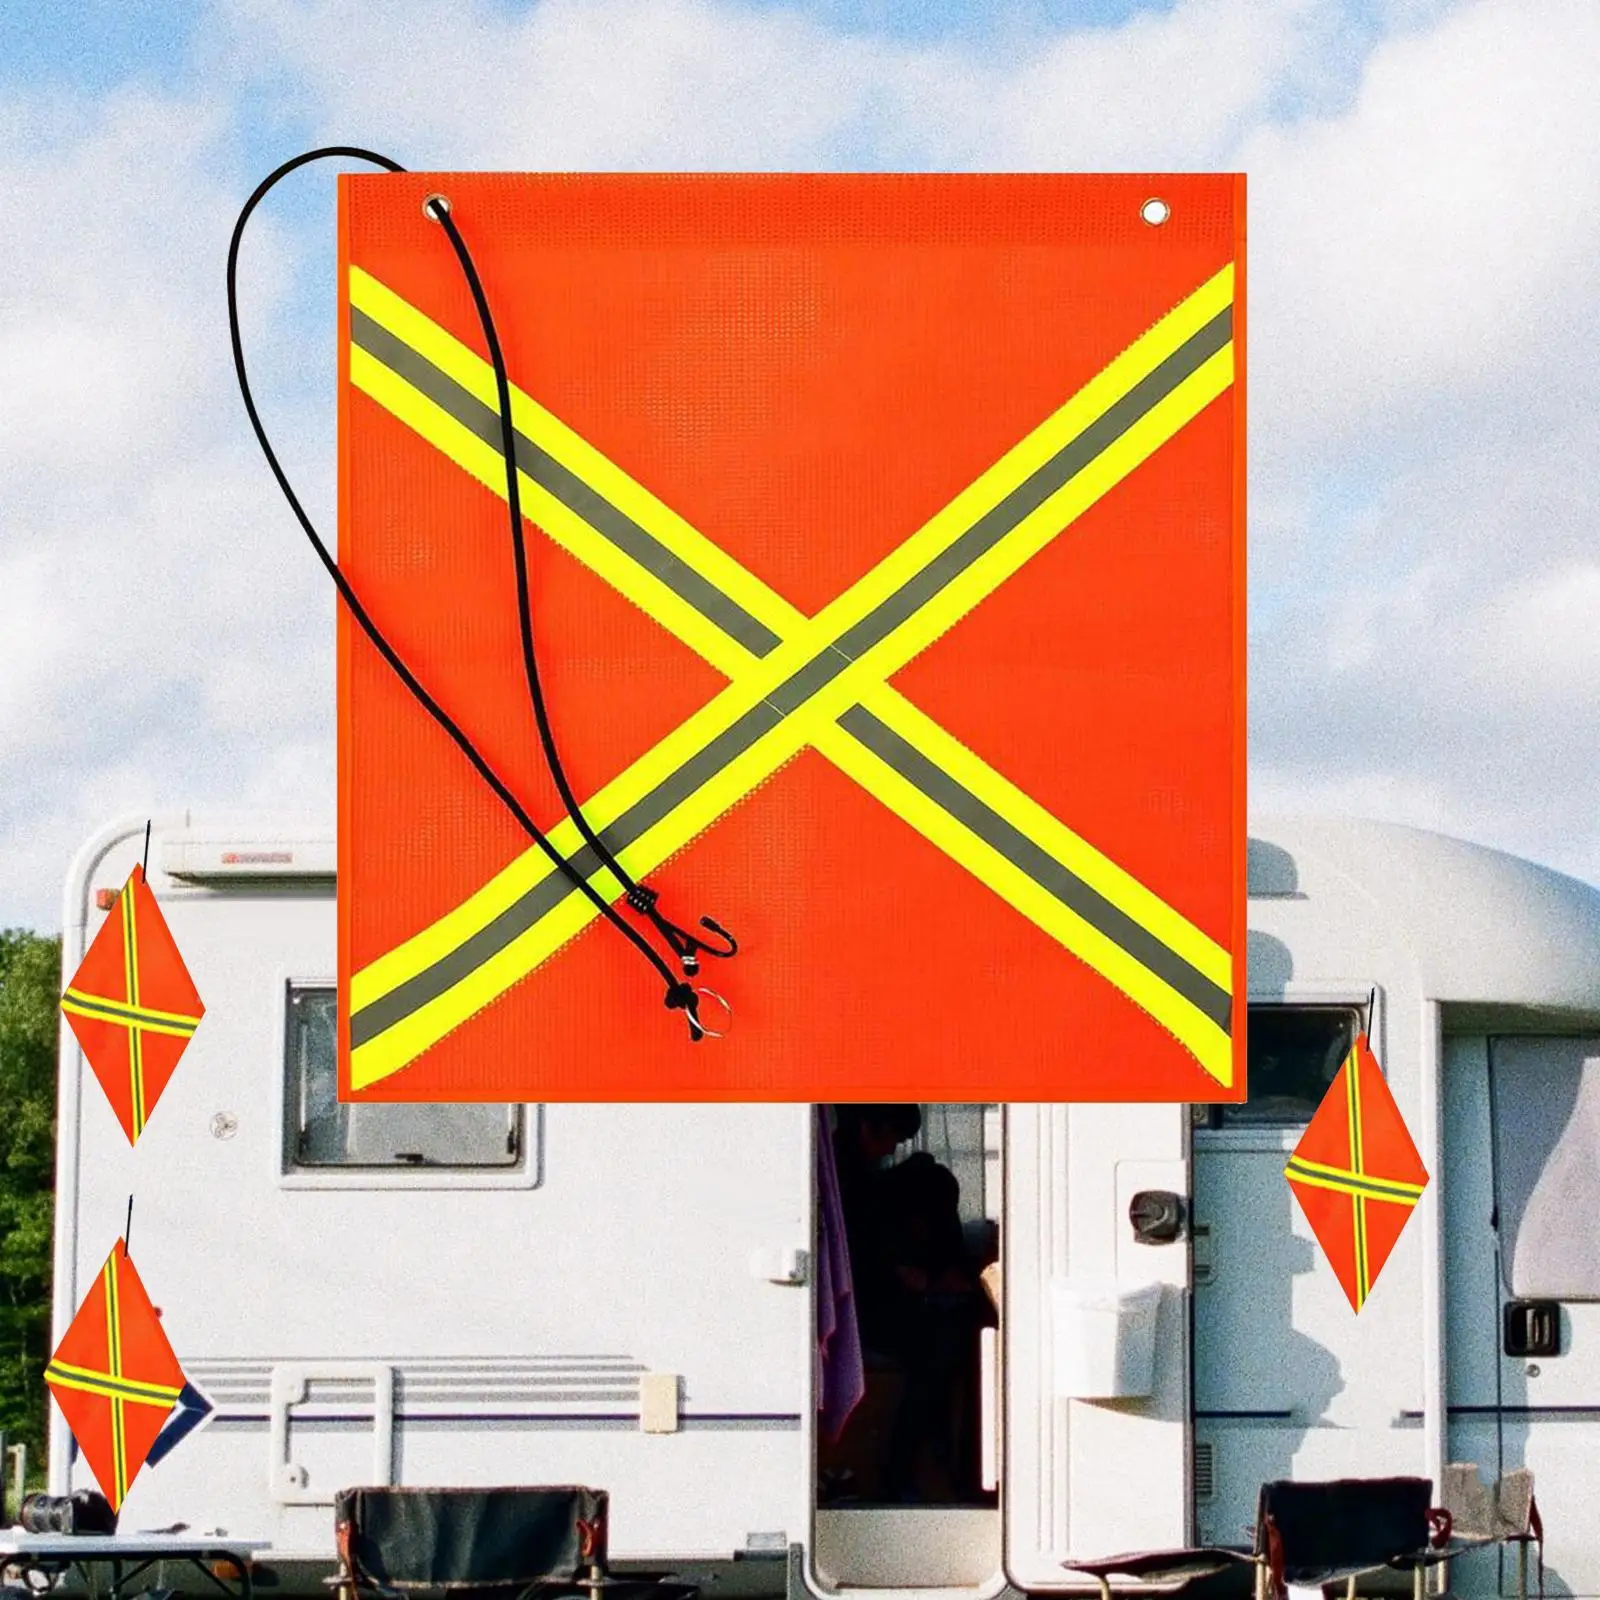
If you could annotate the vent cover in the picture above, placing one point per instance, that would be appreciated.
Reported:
(1205, 1471)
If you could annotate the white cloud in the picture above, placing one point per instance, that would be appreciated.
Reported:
(1423, 296)
(1431, 249)
(569, 84)
(145, 568)
(695, 84)
(1446, 702)
(1164, 91)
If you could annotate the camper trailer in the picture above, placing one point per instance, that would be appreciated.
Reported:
(626, 1295)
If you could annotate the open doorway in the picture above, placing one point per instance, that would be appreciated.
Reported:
(912, 1465)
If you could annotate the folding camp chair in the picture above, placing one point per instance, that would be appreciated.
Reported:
(482, 1544)
(1318, 1534)
(1307, 1534)
(1505, 1513)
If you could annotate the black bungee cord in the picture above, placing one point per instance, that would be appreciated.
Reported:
(687, 947)
(680, 994)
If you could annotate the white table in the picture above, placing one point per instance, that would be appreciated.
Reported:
(129, 1555)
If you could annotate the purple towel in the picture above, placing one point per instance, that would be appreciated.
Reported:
(840, 1373)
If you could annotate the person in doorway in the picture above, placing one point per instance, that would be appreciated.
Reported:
(866, 1137)
(919, 1303)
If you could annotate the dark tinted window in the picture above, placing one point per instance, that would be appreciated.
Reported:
(1295, 1053)
(323, 1133)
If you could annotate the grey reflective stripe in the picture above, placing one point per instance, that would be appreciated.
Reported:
(387, 1010)
(1370, 1188)
(1021, 851)
(1032, 493)
(577, 496)
(993, 526)
(552, 889)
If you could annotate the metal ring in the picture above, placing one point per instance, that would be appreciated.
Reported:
(439, 200)
(716, 1033)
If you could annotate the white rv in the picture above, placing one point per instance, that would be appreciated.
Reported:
(622, 1295)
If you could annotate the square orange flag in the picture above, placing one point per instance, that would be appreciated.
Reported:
(133, 1005)
(115, 1376)
(1356, 1173)
(886, 547)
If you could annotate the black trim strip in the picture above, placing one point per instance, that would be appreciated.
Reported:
(1514, 1411)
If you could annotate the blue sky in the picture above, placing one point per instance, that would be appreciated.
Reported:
(95, 47)
(1425, 483)
(103, 42)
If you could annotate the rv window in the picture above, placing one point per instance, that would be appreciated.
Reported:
(1546, 1110)
(1295, 1053)
(320, 1132)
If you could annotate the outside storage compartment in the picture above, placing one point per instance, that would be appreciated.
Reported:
(1105, 1340)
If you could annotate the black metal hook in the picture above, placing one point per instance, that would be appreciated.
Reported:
(689, 947)
(732, 944)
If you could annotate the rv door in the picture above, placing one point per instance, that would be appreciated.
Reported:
(1095, 1336)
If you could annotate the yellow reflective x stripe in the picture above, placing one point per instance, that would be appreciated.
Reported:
(130, 956)
(912, 784)
(1358, 1201)
(66, 1376)
(1318, 1176)
(100, 1008)
(119, 1441)
(729, 648)
(494, 972)
(758, 620)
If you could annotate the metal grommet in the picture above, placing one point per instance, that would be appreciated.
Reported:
(1155, 211)
(439, 200)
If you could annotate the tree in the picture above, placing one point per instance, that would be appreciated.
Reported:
(30, 980)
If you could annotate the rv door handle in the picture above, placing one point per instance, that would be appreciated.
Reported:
(1158, 1216)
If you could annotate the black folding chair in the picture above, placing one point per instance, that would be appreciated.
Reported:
(1318, 1534)
(1306, 1534)
(483, 1544)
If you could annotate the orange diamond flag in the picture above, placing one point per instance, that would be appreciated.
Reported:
(1356, 1173)
(133, 1005)
(114, 1376)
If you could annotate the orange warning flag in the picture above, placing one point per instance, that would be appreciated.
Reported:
(133, 1005)
(1356, 1174)
(115, 1376)
(886, 539)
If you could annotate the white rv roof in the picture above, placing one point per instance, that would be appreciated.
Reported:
(1485, 927)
